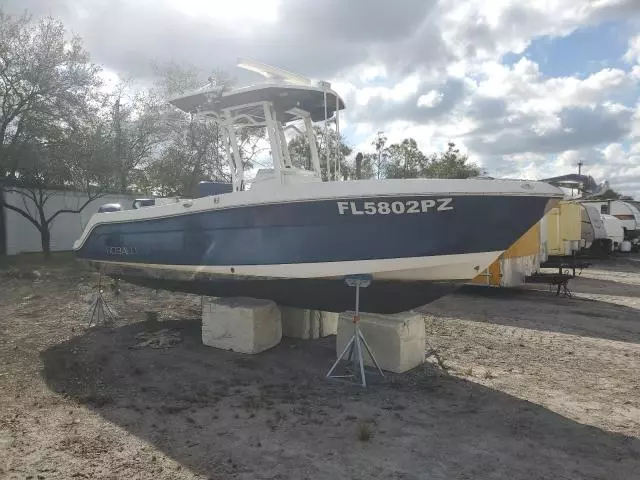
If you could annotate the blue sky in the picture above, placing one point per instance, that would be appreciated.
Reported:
(584, 51)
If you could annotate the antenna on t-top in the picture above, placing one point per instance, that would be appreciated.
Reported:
(275, 73)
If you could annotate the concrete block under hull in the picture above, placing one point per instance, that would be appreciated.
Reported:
(244, 325)
(397, 341)
(304, 323)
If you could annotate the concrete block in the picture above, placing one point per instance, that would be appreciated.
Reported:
(329, 323)
(304, 323)
(245, 325)
(397, 341)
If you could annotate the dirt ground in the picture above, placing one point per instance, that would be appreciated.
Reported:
(534, 386)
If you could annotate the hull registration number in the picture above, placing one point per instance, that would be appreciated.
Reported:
(398, 207)
(122, 250)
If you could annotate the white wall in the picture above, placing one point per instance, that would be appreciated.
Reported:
(22, 236)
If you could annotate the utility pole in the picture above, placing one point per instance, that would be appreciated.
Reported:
(359, 158)
(379, 145)
(579, 164)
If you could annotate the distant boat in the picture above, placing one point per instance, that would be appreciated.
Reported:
(292, 237)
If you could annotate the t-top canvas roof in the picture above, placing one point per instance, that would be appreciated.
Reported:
(246, 100)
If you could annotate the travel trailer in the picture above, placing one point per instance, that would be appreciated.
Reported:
(626, 212)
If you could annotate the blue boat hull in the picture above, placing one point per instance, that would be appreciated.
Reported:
(311, 232)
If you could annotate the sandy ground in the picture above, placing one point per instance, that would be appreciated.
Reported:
(534, 387)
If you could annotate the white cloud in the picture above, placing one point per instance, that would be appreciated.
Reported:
(430, 99)
(633, 53)
(371, 73)
(569, 159)
(397, 93)
(236, 12)
(635, 127)
(525, 83)
(614, 153)
(487, 29)
(621, 167)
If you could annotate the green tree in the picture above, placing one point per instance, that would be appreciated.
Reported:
(404, 160)
(45, 81)
(381, 156)
(51, 137)
(450, 164)
(363, 167)
(329, 144)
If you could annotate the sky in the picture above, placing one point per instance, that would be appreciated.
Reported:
(526, 88)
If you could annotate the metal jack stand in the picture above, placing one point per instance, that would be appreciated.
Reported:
(100, 308)
(353, 352)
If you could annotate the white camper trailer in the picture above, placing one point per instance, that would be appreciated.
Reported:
(614, 229)
(593, 232)
(626, 212)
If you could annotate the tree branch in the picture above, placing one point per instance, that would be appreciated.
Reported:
(24, 214)
(71, 210)
(46, 197)
(23, 194)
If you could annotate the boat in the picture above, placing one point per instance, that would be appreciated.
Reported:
(292, 236)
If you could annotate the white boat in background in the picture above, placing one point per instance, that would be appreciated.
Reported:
(292, 237)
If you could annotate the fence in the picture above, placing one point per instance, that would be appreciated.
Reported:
(21, 236)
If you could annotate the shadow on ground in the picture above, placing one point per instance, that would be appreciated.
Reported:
(598, 286)
(617, 262)
(275, 416)
(541, 310)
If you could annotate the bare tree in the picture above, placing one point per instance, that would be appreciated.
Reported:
(135, 132)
